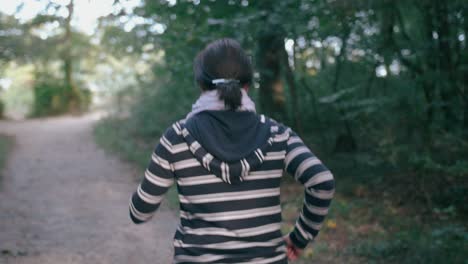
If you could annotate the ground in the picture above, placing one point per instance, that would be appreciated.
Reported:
(64, 200)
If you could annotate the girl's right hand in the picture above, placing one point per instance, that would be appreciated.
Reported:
(292, 251)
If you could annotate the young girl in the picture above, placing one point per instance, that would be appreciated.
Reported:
(227, 162)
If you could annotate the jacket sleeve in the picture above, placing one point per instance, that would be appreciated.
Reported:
(158, 177)
(319, 186)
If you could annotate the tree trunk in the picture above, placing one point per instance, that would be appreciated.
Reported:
(292, 92)
(270, 48)
(448, 86)
(67, 56)
(344, 142)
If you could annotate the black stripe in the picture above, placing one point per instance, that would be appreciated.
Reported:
(294, 164)
(233, 224)
(156, 169)
(237, 255)
(151, 188)
(143, 206)
(311, 172)
(212, 239)
(218, 207)
(222, 187)
(317, 201)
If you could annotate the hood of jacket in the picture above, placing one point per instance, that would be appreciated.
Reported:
(228, 143)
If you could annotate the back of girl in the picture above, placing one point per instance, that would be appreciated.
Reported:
(227, 162)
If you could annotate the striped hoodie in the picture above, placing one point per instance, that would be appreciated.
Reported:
(227, 167)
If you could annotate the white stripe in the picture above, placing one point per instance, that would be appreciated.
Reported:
(163, 140)
(211, 178)
(184, 164)
(316, 210)
(243, 169)
(139, 215)
(156, 180)
(198, 180)
(313, 225)
(194, 146)
(197, 259)
(301, 230)
(261, 175)
(230, 244)
(306, 164)
(148, 198)
(265, 260)
(223, 171)
(294, 139)
(262, 118)
(246, 232)
(281, 137)
(321, 194)
(229, 196)
(161, 162)
(247, 167)
(319, 178)
(232, 215)
(176, 128)
(258, 157)
(173, 149)
(294, 153)
(261, 153)
(228, 175)
(206, 160)
(270, 141)
(278, 155)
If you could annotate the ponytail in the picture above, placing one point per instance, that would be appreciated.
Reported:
(224, 59)
(230, 92)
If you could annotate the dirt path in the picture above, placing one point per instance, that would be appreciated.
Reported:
(64, 200)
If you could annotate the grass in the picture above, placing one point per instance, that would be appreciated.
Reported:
(370, 230)
(371, 221)
(5, 145)
(112, 136)
(368, 222)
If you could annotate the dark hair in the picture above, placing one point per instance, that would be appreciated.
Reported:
(224, 59)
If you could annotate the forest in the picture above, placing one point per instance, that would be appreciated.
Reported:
(377, 88)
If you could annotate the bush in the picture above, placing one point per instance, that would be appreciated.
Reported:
(445, 244)
(51, 97)
(2, 110)
(161, 103)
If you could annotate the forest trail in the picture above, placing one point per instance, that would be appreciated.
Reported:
(64, 200)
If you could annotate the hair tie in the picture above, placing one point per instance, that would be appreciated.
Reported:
(219, 81)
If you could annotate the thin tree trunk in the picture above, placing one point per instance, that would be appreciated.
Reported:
(317, 118)
(272, 99)
(67, 58)
(444, 59)
(293, 93)
(344, 142)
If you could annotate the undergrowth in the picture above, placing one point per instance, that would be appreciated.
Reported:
(373, 218)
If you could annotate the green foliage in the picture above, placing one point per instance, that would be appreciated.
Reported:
(5, 144)
(171, 95)
(51, 97)
(109, 134)
(440, 245)
(2, 109)
(388, 76)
